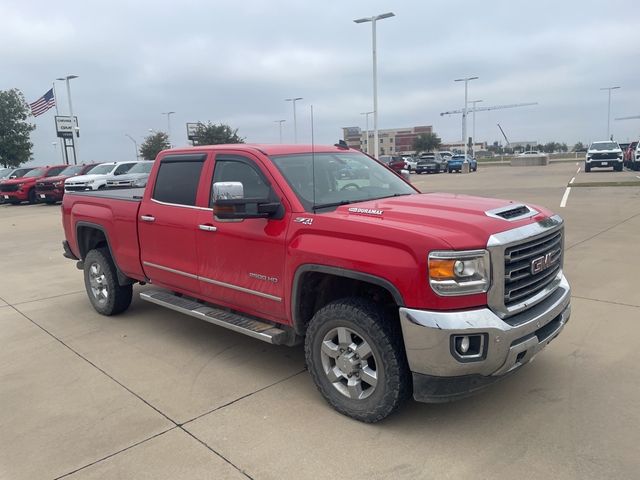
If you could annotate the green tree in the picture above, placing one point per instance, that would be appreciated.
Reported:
(153, 144)
(216, 134)
(426, 142)
(15, 144)
(578, 147)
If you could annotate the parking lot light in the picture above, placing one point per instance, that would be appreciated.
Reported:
(373, 21)
(466, 80)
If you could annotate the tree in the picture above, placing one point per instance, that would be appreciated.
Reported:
(15, 144)
(578, 147)
(212, 134)
(426, 142)
(153, 144)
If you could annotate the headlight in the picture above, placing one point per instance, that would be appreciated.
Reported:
(140, 182)
(20, 185)
(58, 184)
(459, 273)
(89, 182)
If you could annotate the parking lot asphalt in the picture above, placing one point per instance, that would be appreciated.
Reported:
(154, 394)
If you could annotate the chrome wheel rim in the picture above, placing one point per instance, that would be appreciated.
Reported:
(349, 363)
(98, 283)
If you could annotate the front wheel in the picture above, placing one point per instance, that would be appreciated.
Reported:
(32, 197)
(107, 296)
(356, 358)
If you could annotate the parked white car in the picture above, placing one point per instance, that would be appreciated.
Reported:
(98, 177)
(410, 163)
(604, 154)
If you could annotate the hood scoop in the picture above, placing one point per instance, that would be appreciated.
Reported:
(512, 212)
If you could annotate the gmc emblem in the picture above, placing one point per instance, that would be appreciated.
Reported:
(541, 263)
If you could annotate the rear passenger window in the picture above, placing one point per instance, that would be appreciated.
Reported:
(178, 178)
(55, 171)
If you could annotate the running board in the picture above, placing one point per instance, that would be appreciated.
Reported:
(233, 321)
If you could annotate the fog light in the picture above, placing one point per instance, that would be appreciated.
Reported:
(468, 347)
(463, 347)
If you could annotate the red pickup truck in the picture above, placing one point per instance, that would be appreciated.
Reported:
(393, 292)
(23, 189)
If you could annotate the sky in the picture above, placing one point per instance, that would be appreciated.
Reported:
(236, 62)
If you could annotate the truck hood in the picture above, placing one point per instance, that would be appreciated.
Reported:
(59, 178)
(461, 221)
(15, 181)
(613, 150)
(86, 178)
(128, 177)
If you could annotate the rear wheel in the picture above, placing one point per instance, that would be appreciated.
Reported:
(356, 358)
(107, 296)
(587, 168)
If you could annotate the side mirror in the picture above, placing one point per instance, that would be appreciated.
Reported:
(229, 203)
(12, 177)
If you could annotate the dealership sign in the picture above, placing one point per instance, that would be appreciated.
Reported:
(64, 129)
(192, 129)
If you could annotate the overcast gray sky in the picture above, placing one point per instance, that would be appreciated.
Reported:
(236, 62)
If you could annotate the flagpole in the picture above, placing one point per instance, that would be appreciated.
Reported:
(63, 143)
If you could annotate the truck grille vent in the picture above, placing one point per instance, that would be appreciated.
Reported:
(604, 156)
(8, 188)
(520, 280)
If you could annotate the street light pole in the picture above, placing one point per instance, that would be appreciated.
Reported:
(366, 114)
(373, 21)
(280, 122)
(609, 111)
(135, 143)
(473, 137)
(168, 114)
(74, 129)
(466, 80)
(295, 122)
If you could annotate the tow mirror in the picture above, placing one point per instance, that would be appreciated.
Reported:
(229, 203)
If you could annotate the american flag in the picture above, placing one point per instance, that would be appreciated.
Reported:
(43, 104)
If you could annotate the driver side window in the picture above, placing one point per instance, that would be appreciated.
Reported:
(232, 169)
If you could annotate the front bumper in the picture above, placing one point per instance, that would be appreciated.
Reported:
(441, 376)
(50, 195)
(18, 196)
(604, 162)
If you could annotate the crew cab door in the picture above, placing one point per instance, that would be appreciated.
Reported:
(241, 262)
(168, 222)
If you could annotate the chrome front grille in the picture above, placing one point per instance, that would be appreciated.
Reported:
(521, 282)
(526, 264)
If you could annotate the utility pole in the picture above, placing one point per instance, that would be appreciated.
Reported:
(280, 122)
(609, 110)
(366, 114)
(168, 114)
(295, 122)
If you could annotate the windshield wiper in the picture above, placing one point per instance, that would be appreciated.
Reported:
(335, 204)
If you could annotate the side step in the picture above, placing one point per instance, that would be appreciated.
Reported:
(233, 321)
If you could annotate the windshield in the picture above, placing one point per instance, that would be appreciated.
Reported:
(72, 170)
(604, 146)
(340, 178)
(101, 169)
(38, 172)
(142, 167)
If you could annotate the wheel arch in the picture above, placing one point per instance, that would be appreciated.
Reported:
(337, 282)
(92, 235)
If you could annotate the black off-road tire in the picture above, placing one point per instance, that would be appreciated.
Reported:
(383, 335)
(118, 297)
(587, 168)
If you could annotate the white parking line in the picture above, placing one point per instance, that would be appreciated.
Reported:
(565, 197)
(573, 180)
(578, 170)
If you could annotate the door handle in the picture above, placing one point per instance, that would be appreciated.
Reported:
(208, 228)
(147, 218)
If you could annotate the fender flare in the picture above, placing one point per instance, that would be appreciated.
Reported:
(339, 272)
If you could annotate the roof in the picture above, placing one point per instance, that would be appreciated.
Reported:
(267, 149)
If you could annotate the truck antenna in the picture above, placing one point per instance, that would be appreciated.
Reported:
(313, 161)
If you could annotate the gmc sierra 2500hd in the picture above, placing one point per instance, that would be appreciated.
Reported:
(393, 292)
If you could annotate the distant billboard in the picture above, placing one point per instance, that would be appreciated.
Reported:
(192, 129)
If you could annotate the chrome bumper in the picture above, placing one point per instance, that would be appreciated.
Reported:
(509, 344)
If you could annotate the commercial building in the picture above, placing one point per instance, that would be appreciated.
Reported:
(392, 140)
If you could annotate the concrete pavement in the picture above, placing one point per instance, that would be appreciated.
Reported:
(153, 394)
